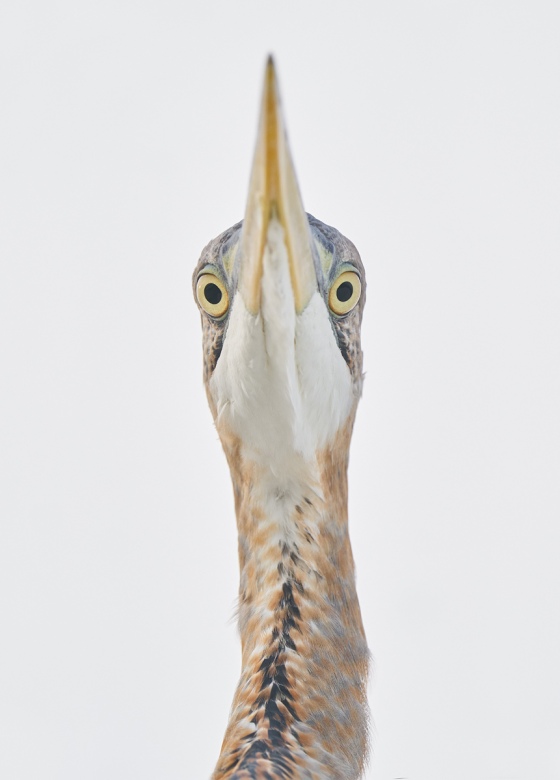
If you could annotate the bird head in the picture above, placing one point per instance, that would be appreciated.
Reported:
(281, 297)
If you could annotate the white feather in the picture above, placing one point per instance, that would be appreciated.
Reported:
(281, 383)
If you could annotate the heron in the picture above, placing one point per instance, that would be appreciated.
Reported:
(281, 297)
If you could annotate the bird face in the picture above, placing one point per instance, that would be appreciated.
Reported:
(281, 297)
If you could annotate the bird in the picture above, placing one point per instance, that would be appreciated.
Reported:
(281, 297)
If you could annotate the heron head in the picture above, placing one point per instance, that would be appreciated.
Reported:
(281, 297)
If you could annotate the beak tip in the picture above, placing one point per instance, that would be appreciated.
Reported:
(270, 80)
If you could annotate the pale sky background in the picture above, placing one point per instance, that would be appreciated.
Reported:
(427, 132)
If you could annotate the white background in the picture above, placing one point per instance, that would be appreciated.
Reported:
(429, 133)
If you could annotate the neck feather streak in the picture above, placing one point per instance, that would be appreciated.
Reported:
(300, 707)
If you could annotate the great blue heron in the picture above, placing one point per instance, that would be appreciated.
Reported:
(281, 297)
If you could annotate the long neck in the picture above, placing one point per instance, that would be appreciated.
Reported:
(300, 708)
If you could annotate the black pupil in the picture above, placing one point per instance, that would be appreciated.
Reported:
(213, 294)
(344, 292)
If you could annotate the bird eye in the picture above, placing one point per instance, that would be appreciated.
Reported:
(212, 295)
(345, 293)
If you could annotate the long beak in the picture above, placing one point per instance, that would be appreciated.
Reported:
(274, 192)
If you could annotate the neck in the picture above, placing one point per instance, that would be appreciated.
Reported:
(300, 707)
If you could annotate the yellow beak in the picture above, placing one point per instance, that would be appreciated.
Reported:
(274, 192)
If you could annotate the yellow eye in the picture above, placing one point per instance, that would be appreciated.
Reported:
(345, 293)
(212, 295)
